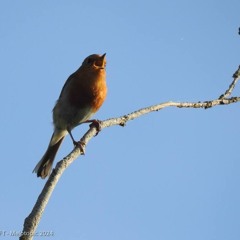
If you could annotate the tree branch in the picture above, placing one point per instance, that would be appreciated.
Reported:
(32, 221)
(236, 77)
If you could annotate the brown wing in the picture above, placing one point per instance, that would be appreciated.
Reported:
(68, 81)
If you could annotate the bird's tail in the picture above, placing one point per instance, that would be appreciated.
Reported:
(44, 166)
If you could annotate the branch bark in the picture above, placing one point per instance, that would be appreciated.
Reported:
(32, 221)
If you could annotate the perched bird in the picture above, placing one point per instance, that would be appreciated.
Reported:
(82, 95)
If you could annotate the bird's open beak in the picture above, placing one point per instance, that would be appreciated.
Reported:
(103, 56)
(103, 60)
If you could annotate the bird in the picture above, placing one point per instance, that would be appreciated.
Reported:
(81, 97)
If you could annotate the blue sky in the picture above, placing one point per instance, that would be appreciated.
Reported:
(173, 174)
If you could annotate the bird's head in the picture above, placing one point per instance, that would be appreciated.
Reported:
(95, 61)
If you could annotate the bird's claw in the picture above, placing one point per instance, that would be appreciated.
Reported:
(81, 145)
(95, 123)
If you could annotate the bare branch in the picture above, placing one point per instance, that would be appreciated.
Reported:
(236, 77)
(32, 221)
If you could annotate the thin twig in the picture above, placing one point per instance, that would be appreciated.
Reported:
(236, 77)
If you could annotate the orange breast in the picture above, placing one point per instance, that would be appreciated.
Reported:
(89, 89)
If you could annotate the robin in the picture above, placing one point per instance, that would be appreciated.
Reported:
(82, 95)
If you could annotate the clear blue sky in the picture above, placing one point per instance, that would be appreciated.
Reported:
(173, 174)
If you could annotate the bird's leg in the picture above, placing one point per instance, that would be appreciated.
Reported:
(79, 144)
(95, 123)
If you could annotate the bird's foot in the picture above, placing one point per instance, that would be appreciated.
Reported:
(95, 123)
(81, 145)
